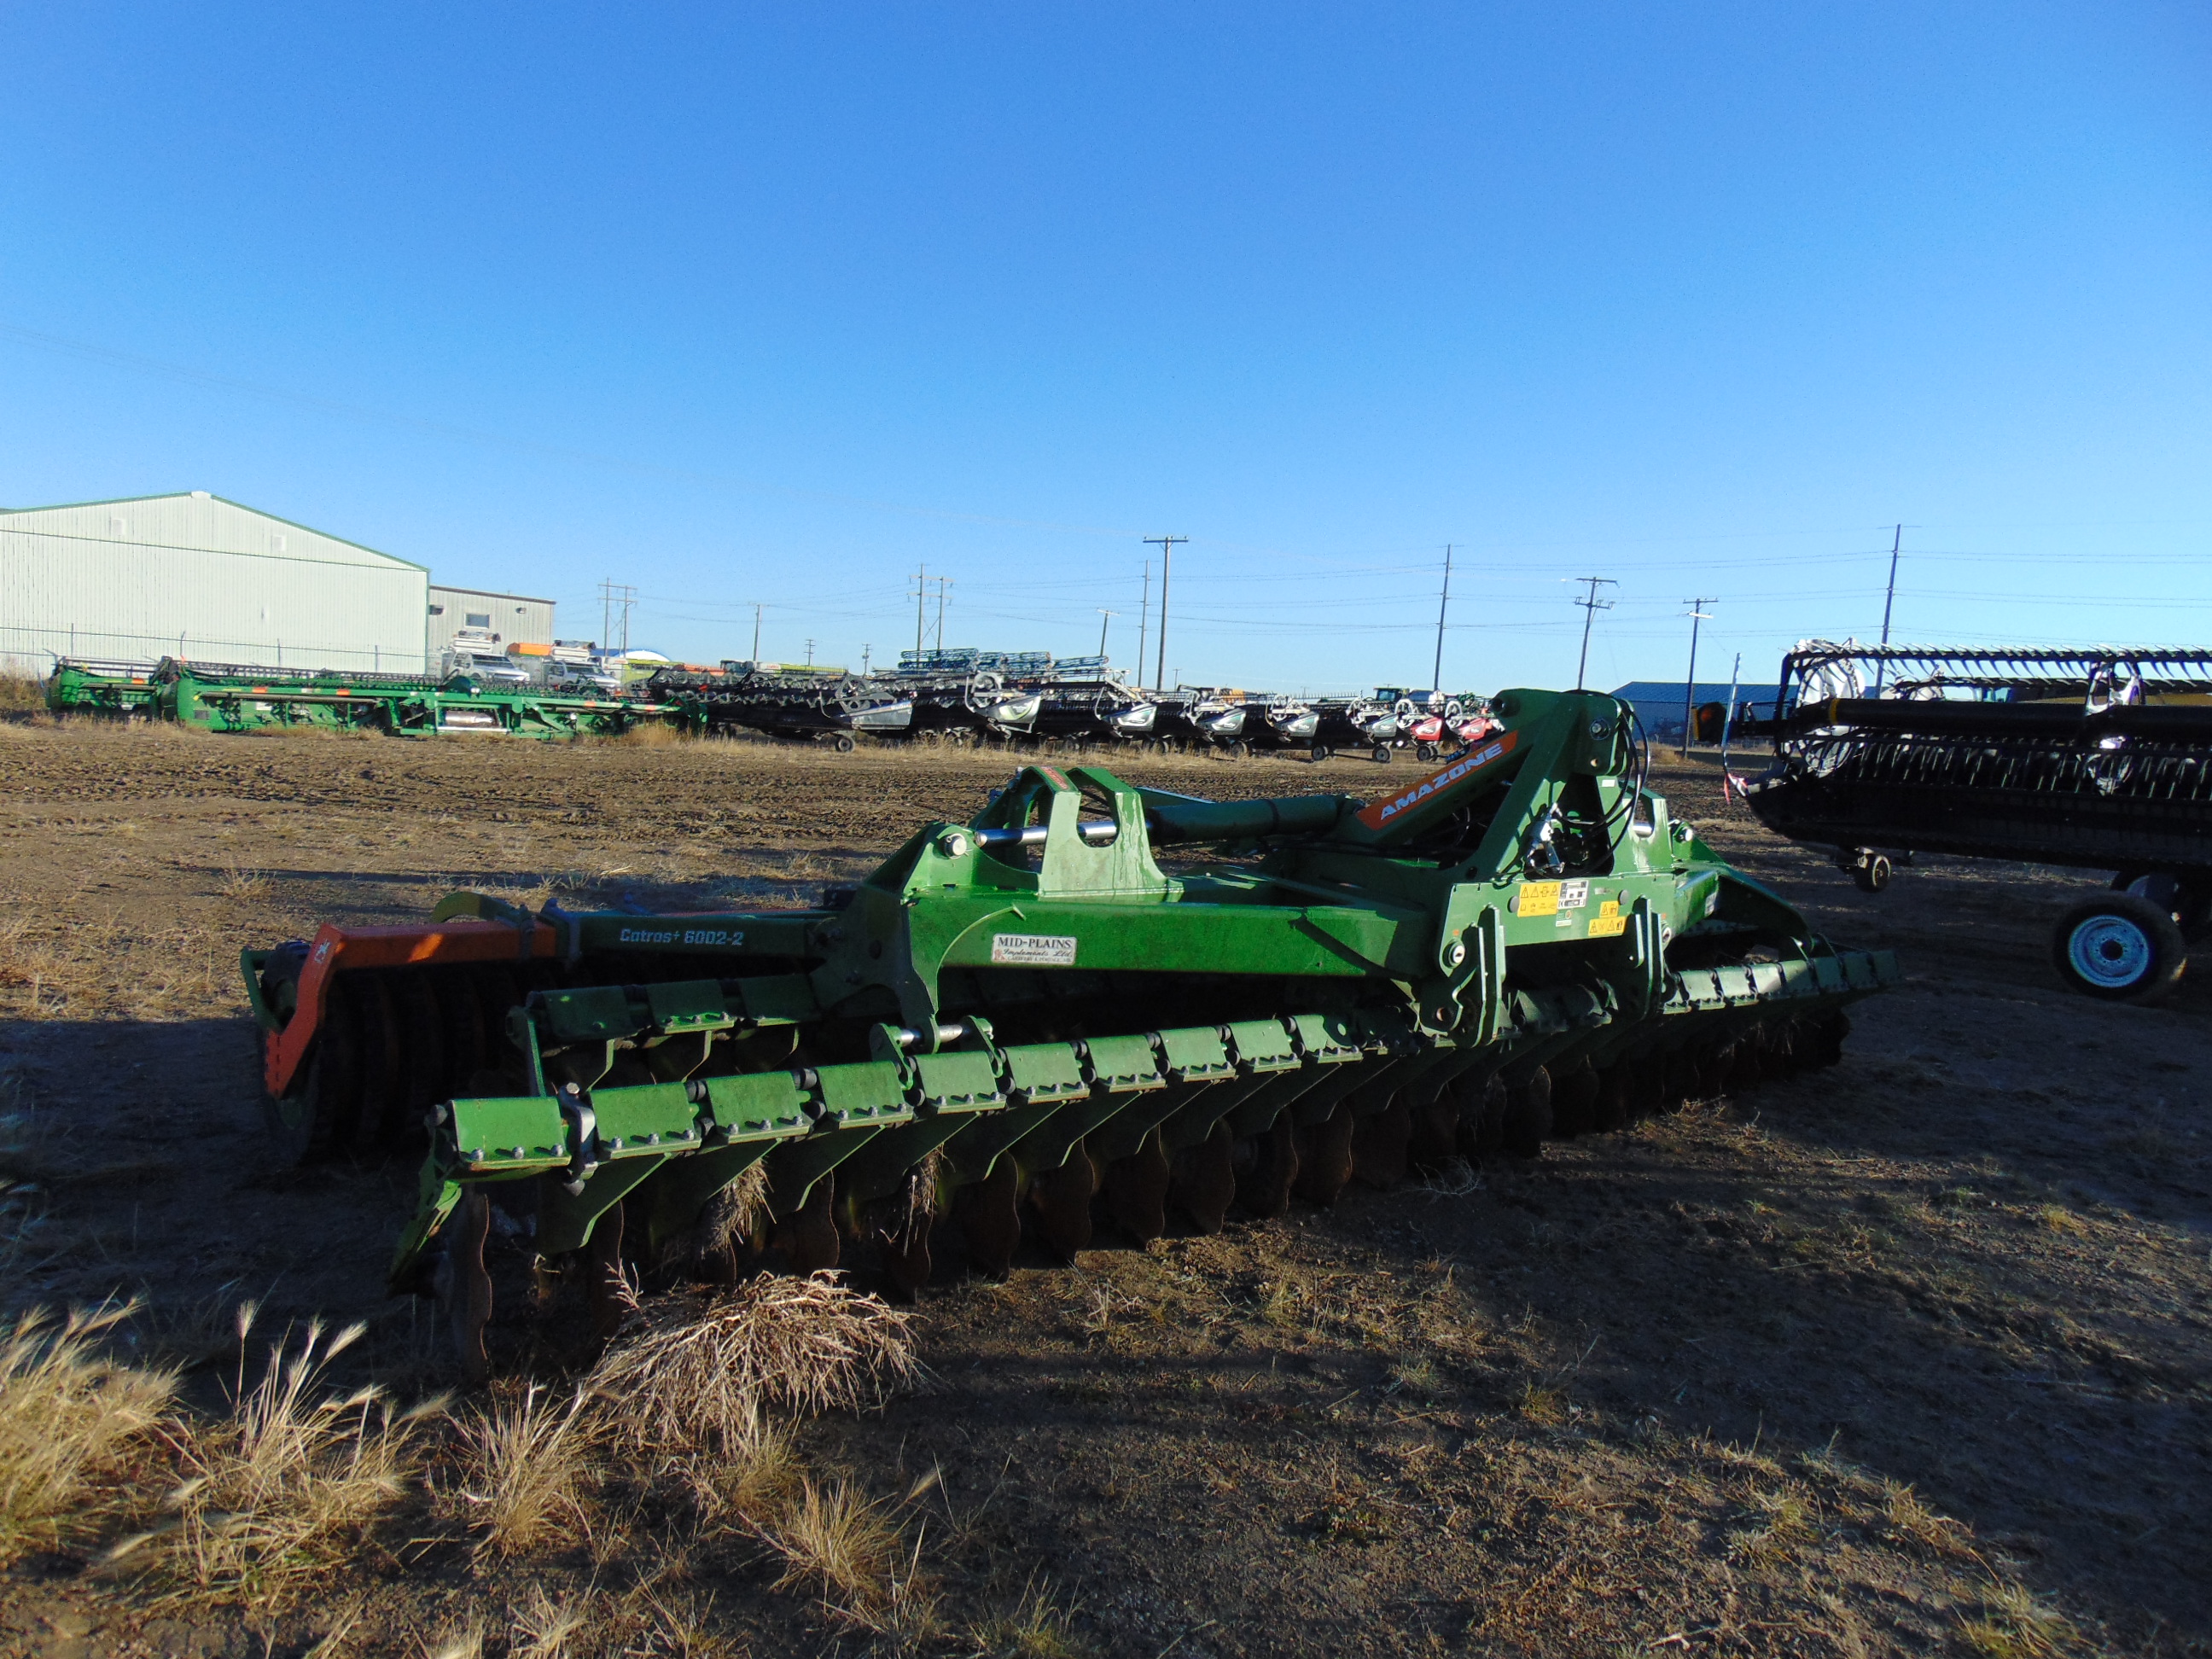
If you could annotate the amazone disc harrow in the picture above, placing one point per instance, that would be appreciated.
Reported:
(1023, 1027)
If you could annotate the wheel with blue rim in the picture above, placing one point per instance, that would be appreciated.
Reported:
(2120, 947)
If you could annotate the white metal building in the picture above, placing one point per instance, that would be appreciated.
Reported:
(194, 575)
(510, 619)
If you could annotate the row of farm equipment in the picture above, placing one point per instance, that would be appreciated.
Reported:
(932, 699)
(966, 697)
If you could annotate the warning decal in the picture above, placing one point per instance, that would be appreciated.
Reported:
(1539, 898)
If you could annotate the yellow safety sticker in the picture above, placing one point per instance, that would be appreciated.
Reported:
(1609, 908)
(1539, 898)
(1609, 927)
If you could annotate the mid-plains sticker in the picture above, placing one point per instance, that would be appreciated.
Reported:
(1034, 950)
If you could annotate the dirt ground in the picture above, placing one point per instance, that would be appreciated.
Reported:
(1909, 1356)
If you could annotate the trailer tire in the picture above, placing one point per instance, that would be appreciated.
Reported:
(2190, 907)
(1425, 751)
(2120, 947)
(844, 744)
(1238, 749)
(1872, 875)
(1322, 752)
(1382, 755)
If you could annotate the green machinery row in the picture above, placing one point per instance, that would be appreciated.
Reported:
(216, 697)
(1023, 1024)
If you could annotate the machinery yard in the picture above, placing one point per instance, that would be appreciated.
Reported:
(1908, 1355)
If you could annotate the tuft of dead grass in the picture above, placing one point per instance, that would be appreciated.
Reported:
(838, 1539)
(2058, 1219)
(525, 1459)
(69, 1417)
(235, 881)
(541, 1627)
(702, 1374)
(286, 1487)
(1035, 1627)
(2016, 1624)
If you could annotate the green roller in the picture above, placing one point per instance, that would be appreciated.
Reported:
(1022, 1025)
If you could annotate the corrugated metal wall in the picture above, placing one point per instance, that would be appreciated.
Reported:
(194, 575)
(516, 620)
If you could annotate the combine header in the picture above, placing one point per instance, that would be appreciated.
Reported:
(126, 690)
(1021, 1023)
(222, 697)
(2096, 758)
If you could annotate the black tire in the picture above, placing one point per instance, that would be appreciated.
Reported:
(1425, 751)
(1382, 755)
(1238, 749)
(844, 744)
(1322, 752)
(2189, 905)
(2119, 947)
(1874, 875)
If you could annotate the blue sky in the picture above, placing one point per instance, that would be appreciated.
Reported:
(777, 305)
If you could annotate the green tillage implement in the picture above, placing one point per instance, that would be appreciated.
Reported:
(1015, 1016)
(247, 699)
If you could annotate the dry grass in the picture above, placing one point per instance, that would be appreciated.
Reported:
(285, 1488)
(837, 1538)
(541, 1626)
(1035, 1627)
(2015, 1624)
(702, 1374)
(70, 1418)
(234, 881)
(56, 966)
(525, 1459)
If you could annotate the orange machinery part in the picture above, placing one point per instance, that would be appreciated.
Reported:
(456, 941)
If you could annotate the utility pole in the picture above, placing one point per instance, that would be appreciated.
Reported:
(1144, 621)
(864, 659)
(1889, 600)
(920, 589)
(1167, 546)
(1436, 674)
(942, 582)
(1104, 616)
(613, 593)
(1690, 685)
(756, 617)
(810, 653)
(1727, 724)
(1592, 605)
